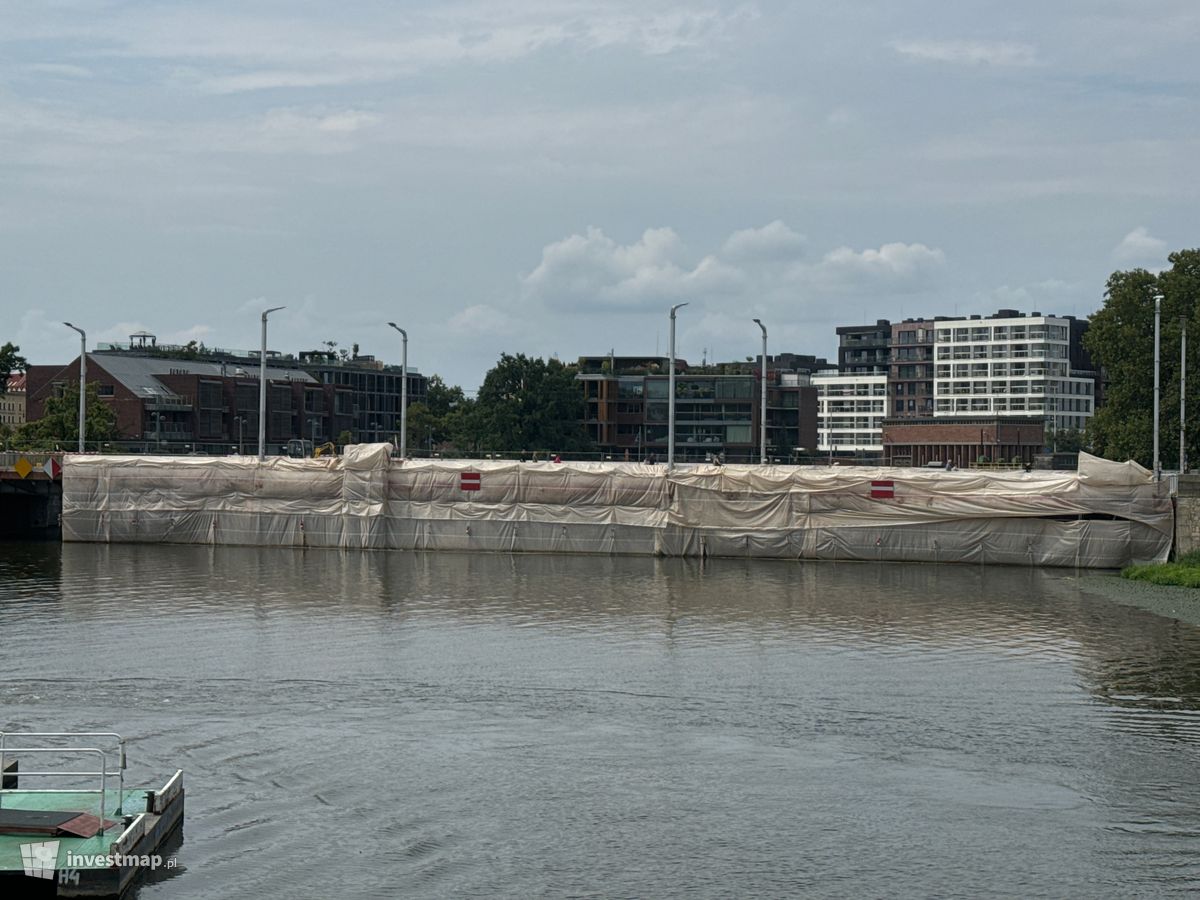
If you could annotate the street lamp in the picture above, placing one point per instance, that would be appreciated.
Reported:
(763, 424)
(157, 431)
(262, 386)
(403, 389)
(1182, 394)
(1158, 298)
(82, 380)
(671, 394)
(241, 424)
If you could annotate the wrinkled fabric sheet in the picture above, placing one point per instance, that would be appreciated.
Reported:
(1105, 515)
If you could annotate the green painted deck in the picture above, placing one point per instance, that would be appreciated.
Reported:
(101, 844)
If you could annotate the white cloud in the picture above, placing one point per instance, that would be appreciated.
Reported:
(57, 70)
(759, 267)
(896, 263)
(1139, 247)
(990, 53)
(772, 241)
(229, 51)
(594, 267)
(482, 320)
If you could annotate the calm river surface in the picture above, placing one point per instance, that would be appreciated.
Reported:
(445, 725)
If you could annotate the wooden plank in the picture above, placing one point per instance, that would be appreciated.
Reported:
(131, 835)
(163, 797)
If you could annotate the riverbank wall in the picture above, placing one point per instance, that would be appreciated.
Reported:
(1105, 515)
(1187, 515)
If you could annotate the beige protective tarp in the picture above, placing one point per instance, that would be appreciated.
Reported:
(1105, 515)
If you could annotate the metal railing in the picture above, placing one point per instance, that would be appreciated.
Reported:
(103, 773)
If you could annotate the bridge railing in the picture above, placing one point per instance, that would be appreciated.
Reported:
(37, 459)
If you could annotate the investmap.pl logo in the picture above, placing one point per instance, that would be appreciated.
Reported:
(39, 860)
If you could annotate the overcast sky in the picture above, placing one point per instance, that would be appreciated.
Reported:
(548, 177)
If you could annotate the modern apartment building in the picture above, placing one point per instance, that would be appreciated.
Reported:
(850, 413)
(717, 409)
(864, 349)
(910, 370)
(1011, 364)
(374, 389)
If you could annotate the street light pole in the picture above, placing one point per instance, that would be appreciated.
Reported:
(403, 390)
(82, 382)
(671, 394)
(1182, 394)
(262, 386)
(1158, 298)
(763, 414)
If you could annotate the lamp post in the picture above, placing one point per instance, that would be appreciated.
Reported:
(1182, 394)
(157, 431)
(671, 394)
(403, 389)
(262, 386)
(241, 424)
(1158, 298)
(82, 381)
(763, 414)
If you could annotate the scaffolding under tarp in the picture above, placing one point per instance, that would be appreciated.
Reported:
(1104, 515)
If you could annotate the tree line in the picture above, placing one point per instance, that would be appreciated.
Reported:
(524, 404)
(1120, 340)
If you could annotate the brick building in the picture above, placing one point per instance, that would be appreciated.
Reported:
(962, 442)
(178, 405)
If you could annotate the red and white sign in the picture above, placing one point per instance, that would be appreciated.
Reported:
(52, 468)
(883, 490)
(469, 481)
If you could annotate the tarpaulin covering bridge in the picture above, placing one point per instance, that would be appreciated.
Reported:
(1105, 515)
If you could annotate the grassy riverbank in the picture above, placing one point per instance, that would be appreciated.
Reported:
(1184, 572)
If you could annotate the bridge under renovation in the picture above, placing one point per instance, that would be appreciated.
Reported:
(1104, 515)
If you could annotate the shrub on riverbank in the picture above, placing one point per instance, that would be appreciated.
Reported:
(1184, 572)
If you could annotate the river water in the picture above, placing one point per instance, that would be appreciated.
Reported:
(447, 725)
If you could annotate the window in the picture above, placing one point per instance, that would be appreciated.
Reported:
(105, 390)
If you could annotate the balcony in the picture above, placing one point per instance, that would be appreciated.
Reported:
(167, 402)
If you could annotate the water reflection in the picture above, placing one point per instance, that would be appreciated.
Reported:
(630, 726)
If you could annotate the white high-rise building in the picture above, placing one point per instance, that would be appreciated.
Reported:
(850, 412)
(1011, 366)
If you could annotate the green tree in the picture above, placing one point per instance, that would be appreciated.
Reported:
(1068, 440)
(1120, 340)
(59, 424)
(421, 425)
(531, 404)
(442, 398)
(11, 361)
